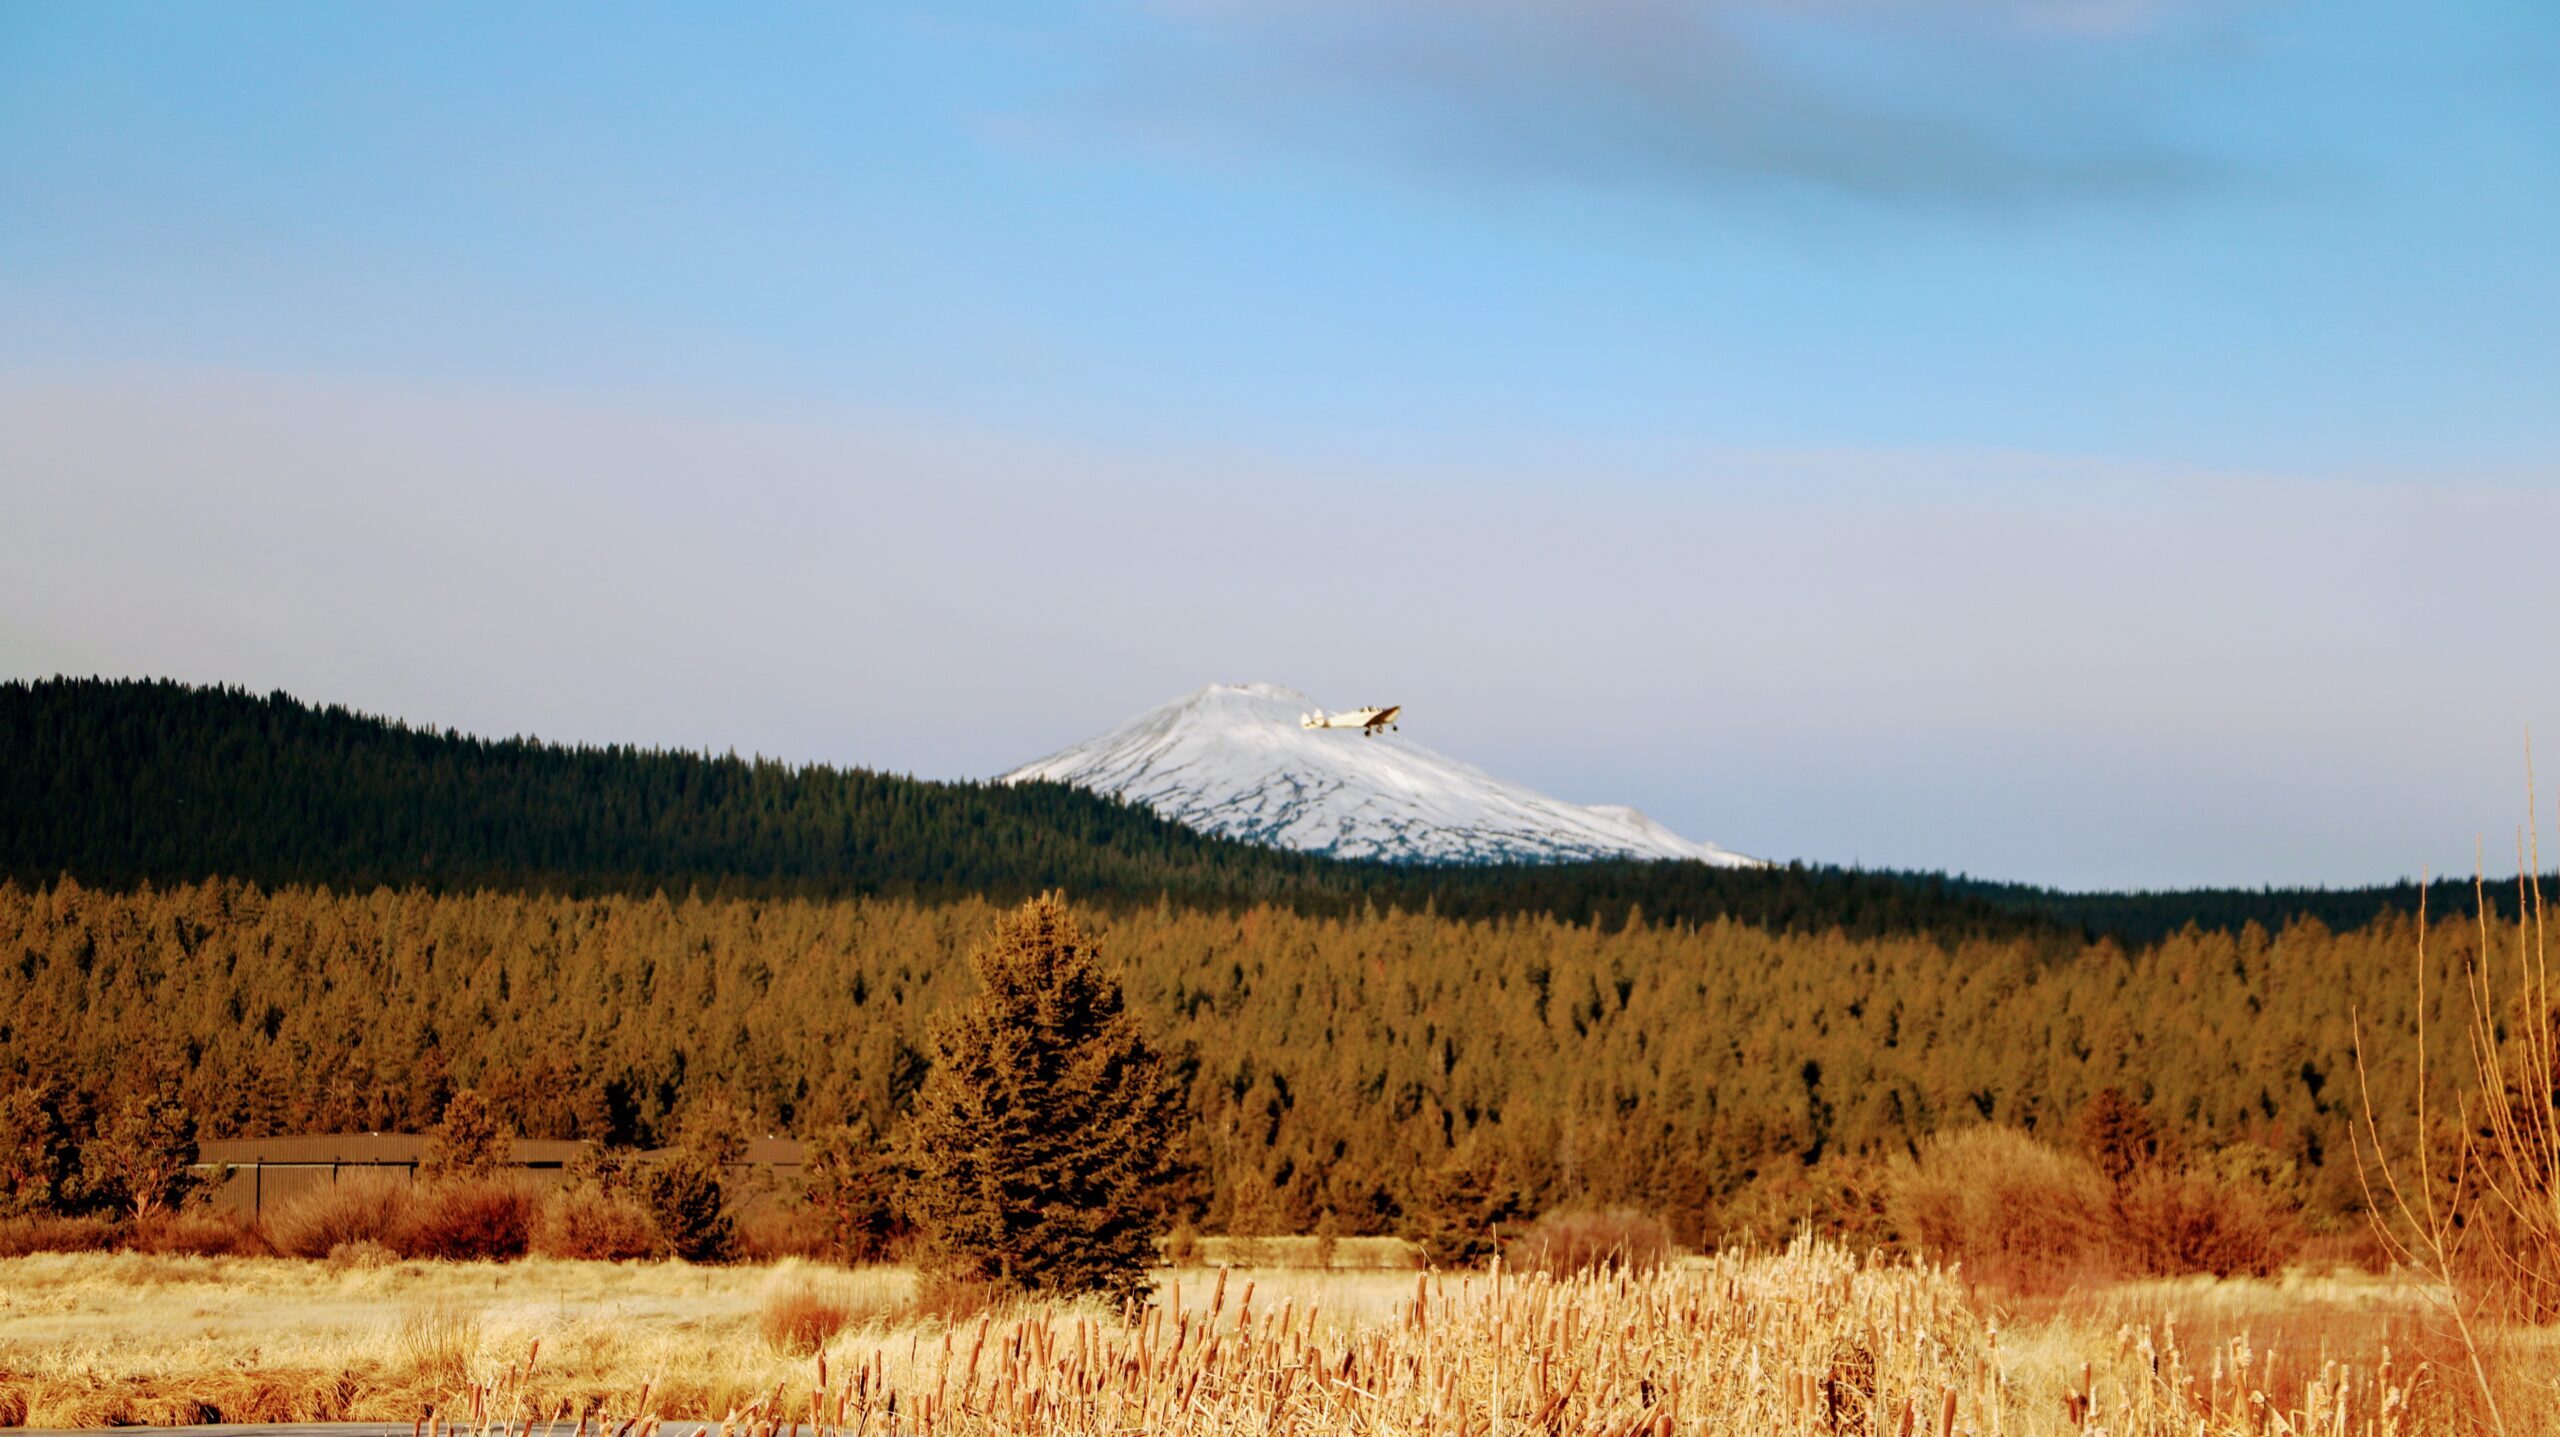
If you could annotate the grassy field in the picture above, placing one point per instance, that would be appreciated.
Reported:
(1803, 1341)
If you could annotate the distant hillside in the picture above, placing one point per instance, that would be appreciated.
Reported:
(119, 782)
(2148, 916)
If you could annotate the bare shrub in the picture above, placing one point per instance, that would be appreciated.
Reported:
(799, 1318)
(196, 1234)
(2221, 1215)
(2475, 1208)
(591, 1224)
(361, 1207)
(1564, 1243)
(43, 1232)
(2016, 1213)
(471, 1220)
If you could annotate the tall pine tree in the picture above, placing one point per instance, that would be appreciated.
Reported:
(1047, 1129)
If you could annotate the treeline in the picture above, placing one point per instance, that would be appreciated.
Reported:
(2149, 915)
(1341, 1070)
(115, 783)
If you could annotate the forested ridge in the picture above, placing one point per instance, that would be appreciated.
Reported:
(308, 920)
(1330, 1064)
(120, 782)
(115, 782)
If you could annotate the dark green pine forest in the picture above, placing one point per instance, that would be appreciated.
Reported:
(119, 782)
(115, 783)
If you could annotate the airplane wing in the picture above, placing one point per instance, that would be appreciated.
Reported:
(1364, 719)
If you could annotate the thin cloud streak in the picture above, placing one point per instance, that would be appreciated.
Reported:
(1968, 106)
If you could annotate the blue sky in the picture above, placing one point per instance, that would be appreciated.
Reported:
(2099, 441)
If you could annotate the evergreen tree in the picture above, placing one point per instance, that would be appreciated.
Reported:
(145, 1158)
(714, 1129)
(39, 1166)
(2117, 1135)
(847, 1183)
(469, 1143)
(691, 1206)
(1457, 1208)
(1044, 1133)
(688, 1192)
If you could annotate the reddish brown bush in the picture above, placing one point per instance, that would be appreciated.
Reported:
(589, 1223)
(2016, 1213)
(20, 1236)
(361, 1207)
(196, 1234)
(2206, 1218)
(470, 1220)
(1564, 1243)
(800, 1319)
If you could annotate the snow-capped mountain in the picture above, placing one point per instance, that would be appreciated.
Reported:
(1232, 759)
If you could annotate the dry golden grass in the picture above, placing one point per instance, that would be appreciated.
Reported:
(1805, 1341)
(93, 1339)
(1346, 1254)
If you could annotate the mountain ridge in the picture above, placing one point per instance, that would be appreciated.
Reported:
(1233, 760)
(119, 782)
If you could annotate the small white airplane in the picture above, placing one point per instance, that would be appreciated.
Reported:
(1368, 720)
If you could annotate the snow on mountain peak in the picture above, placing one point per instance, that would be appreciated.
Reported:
(1232, 759)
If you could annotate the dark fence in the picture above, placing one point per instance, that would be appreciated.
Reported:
(252, 1176)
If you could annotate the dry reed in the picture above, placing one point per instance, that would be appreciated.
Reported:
(1808, 1341)
(2480, 1216)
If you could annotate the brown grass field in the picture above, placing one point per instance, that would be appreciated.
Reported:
(1804, 1341)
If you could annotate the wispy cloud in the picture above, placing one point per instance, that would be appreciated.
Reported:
(1962, 102)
